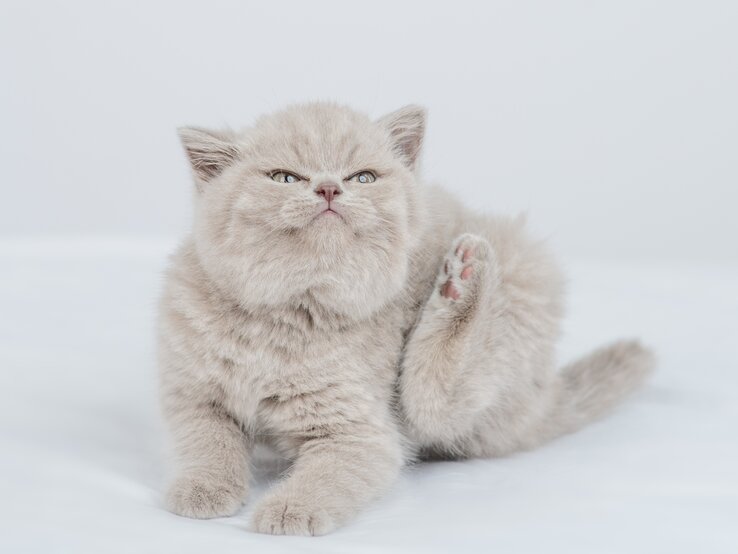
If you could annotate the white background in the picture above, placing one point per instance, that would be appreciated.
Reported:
(614, 124)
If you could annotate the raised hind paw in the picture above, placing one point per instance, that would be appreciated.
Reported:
(464, 269)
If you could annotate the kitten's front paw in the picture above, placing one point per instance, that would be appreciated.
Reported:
(202, 498)
(279, 515)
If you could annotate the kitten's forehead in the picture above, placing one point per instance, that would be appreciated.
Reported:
(317, 136)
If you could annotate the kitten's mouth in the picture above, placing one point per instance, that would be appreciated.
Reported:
(329, 213)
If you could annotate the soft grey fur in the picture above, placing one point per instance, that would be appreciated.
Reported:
(406, 327)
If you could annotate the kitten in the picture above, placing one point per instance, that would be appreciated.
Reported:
(331, 305)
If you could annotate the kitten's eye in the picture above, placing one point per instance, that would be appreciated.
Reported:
(284, 177)
(363, 177)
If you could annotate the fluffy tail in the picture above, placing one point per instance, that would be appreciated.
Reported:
(591, 386)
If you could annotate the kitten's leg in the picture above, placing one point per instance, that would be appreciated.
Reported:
(443, 383)
(333, 477)
(478, 375)
(212, 460)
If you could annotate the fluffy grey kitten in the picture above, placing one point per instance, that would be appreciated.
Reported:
(329, 304)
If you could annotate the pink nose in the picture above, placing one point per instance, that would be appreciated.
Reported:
(327, 191)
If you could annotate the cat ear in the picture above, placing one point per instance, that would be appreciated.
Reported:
(406, 128)
(209, 152)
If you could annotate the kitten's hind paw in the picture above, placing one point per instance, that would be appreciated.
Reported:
(464, 268)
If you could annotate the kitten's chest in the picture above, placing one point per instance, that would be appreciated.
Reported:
(258, 355)
(273, 362)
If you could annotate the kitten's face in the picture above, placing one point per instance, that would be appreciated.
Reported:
(316, 200)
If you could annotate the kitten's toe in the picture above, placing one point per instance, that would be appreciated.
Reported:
(202, 498)
(285, 516)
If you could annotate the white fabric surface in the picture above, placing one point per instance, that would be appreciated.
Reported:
(81, 445)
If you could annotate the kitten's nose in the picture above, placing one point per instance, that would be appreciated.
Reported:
(327, 191)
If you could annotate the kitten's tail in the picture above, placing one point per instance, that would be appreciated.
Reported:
(591, 386)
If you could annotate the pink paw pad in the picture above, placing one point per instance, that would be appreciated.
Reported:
(448, 290)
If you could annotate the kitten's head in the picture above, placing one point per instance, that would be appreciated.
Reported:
(316, 201)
